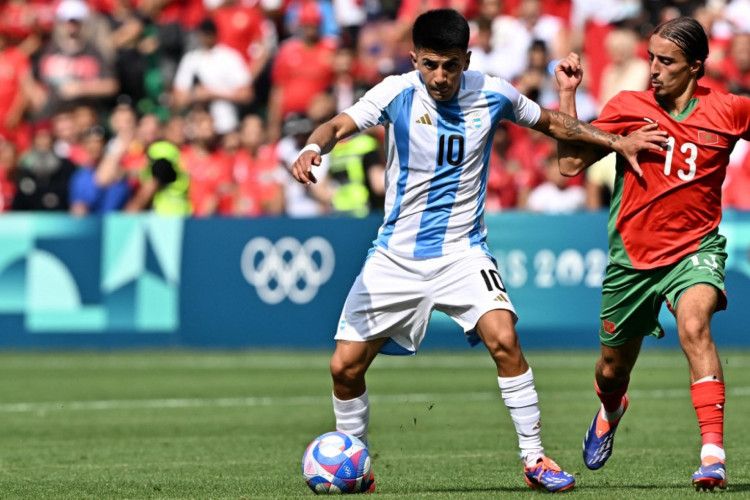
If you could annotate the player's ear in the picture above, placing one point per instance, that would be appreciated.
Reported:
(468, 60)
(695, 67)
(413, 56)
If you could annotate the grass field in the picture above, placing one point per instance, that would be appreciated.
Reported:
(234, 426)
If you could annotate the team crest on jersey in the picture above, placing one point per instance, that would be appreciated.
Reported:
(609, 327)
(707, 138)
(475, 120)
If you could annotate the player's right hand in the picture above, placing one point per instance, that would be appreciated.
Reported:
(302, 167)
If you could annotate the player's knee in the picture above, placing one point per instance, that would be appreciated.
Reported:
(613, 370)
(345, 372)
(695, 330)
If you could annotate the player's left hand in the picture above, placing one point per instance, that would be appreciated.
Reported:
(648, 137)
(569, 72)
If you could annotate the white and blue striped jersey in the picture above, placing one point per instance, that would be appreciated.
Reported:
(438, 156)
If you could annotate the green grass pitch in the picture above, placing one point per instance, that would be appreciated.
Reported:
(187, 425)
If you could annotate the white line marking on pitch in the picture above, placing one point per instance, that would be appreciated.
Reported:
(178, 403)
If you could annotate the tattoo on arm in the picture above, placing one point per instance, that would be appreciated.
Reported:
(576, 129)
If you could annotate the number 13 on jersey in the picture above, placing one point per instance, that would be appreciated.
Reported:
(690, 151)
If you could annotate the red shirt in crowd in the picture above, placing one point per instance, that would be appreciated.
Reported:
(210, 181)
(239, 27)
(256, 183)
(14, 67)
(302, 72)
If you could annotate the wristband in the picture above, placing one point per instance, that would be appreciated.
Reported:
(310, 147)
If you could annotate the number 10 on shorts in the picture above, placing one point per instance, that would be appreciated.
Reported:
(492, 279)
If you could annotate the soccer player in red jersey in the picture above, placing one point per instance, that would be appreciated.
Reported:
(663, 231)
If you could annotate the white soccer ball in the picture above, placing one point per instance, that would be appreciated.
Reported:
(336, 462)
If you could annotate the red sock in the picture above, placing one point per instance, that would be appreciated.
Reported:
(708, 401)
(611, 400)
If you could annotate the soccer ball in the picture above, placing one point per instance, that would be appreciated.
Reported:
(336, 462)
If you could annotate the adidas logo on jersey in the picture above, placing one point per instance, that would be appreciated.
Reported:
(500, 298)
(424, 119)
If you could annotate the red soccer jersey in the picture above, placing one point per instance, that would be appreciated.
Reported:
(658, 219)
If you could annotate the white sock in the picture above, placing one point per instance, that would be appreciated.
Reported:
(711, 450)
(522, 400)
(613, 416)
(353, 416)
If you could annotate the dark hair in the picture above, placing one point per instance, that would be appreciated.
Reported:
(689, 35)
(441, 29)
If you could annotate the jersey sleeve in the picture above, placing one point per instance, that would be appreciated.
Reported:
(741, 108)
(524, 111)
(380, 102)
(611, 119)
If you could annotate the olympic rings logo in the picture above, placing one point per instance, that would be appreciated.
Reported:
(288, 268)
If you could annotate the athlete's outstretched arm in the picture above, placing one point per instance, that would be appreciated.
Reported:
(322, 141)
(577, 154)
(564, 127)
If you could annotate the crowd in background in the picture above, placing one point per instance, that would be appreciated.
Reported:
(199, 107)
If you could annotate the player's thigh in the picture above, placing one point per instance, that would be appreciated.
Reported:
(470, 288)
(630, 305)
(680, 287)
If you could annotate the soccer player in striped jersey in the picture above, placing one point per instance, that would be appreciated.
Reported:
(431, 252)
(663, 232)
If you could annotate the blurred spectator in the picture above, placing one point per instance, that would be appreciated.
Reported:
(216, 76)
(507, 173)
(537, 82)
(382, 51)
(590, 22)
(556, 195)
(120, 161)
(95, 191)
(736, 188)
(600, 182)
(28, 23)
(132, 48)
(482, 57)
(148, 130)
(43, 176)
(174, 131)
(16, 86)
(67, 144)
(73, 70)
(175, 21)
(346, 86)
(512, 37)
(8, 170)
(244, 27)
(164, 183)
(301, 200)
(257, 173)
(296, 11)
(209, 168)
(736, 67)
(626, 70)
(350, 16)
(664, 10)
(356, 176)
(737, 14)
(302, 68)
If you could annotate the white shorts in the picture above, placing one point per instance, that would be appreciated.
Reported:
(394, 297)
